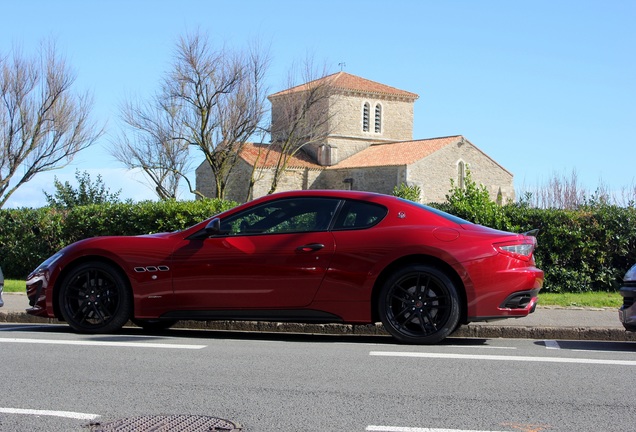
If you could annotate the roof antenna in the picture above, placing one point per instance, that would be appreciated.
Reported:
(342, 65)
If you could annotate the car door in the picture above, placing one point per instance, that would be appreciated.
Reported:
(274, 255)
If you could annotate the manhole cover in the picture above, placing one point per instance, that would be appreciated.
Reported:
(169, 423)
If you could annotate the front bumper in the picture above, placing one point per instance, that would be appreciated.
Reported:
(627, 312)
(36, 292)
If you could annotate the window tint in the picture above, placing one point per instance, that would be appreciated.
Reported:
(283, 216)
(438, 212)
(358, 214)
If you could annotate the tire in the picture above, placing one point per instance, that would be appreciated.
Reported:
(419, 304)
(153, 325)
(94, 298)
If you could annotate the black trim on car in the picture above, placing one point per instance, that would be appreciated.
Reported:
(519, 300)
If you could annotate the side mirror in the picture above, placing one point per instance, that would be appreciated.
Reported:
(213, 227)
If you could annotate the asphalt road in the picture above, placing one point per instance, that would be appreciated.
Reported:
(55, 380)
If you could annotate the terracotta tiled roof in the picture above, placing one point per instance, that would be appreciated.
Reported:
(267, 156)
(347, 82)
(396, 153)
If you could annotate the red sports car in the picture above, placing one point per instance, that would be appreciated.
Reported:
(304, 256)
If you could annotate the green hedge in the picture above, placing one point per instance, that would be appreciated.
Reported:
(28, 236)
(584, 250)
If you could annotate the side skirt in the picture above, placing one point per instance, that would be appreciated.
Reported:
(288, 315)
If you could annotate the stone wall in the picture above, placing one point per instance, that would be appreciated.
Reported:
(433, 173)
(293, 179)
(345, 126)
(237, 187)
(204, 181)
(397, 117)
(347, 132)
(370, 179)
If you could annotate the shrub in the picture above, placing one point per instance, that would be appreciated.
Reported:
(472, 202)
(87, 192)
(411, 193)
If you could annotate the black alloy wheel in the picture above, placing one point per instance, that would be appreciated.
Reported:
(94, 298)
(419, 304)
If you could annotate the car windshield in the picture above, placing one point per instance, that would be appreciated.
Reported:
(438, 212)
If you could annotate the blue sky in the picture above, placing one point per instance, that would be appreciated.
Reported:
(543, 87)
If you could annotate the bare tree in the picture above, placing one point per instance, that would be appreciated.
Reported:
(301, 117)
(151, 144)
(559, 192)
(563, 192)
(212, 100)
(43, 124)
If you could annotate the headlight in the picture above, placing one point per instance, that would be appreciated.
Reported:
(48, 262)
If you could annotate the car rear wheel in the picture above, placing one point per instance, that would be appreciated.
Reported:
(419, 304)
(153, 324)
(94, 298)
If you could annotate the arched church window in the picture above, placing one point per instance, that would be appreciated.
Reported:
(365, 117)
(378, 118)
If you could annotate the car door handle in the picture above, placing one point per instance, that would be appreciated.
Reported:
(310, 247)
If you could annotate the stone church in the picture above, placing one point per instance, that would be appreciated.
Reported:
(369, 146)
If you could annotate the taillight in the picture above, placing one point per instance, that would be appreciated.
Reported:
(520, 249)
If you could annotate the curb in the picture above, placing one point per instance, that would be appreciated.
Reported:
(476, 331)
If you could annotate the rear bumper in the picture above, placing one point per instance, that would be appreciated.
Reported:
(510, 292)
(517, 305)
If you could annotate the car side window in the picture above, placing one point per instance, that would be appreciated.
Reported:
(359, 215)
(283, 216)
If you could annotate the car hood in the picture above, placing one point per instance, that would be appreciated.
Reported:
(156, 235)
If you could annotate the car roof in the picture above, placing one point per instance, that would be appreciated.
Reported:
(335, 193)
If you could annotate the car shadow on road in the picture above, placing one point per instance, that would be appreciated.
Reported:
(586, 345)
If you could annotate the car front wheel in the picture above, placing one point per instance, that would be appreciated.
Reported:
(419, 304)
(94, 298)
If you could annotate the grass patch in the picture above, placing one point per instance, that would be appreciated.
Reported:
(588, 299)
(12, 285)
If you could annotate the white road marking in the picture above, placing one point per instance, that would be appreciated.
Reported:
(66, 414)
(102, 343)
(415, 429)
(552, 344)
(503, 358)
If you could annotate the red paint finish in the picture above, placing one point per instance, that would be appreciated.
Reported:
(331, 253)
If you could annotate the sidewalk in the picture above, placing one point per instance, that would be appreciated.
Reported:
(546, 322)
